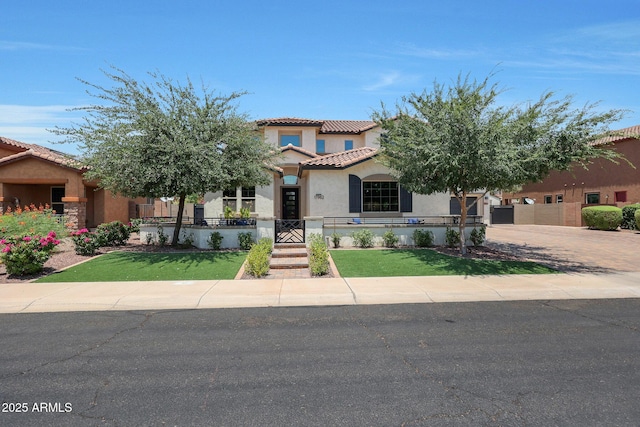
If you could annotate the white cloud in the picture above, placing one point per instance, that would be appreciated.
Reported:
(390, 79)
(431, 53)
(16, 45)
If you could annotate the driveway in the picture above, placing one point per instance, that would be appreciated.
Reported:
(569, 249)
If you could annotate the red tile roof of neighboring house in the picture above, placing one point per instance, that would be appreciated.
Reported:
(37, 151)
(326, 126)
(340, 160)
(620, 135)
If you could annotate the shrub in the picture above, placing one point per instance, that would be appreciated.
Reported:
(423, 238)
(24, 255)
(390, 240)
(86, 243)
(318, 255)
(335, 239)
(245, 240)
(638, 219)
(363, 238)
(215, 240)
(257, 263)
(452, 237)
(477, 236)
(114, 233)
(187, 240)
(134, 225)
(163, 238)
(628, 216)
(602, 217)
(30, 221)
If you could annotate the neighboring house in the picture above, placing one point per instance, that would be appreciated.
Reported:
(31, 174)
(328, 169)
(558, 199)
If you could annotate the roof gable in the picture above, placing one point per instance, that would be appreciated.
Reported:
(341, 160)
(349, 127)
(38, 152)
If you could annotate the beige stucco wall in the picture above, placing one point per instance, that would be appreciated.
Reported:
(328, 192)
(333, 142)
(263, 205)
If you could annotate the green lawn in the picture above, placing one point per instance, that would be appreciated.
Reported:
(423, 262)
(133, 266)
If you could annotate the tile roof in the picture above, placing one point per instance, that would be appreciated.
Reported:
(340, 160)
(37, 151)
(620, 135)
(326, 126)
(299, 150)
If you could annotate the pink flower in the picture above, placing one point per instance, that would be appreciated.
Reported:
(26, 238)
(51, 234)
(6, 249)
(87, 240)
(3, 242)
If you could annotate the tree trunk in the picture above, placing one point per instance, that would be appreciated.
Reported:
(463, 222)
(176, 230)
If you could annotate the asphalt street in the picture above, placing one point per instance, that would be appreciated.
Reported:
(533, 363)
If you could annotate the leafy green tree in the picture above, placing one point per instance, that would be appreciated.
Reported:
(457, 140)
(167, 139)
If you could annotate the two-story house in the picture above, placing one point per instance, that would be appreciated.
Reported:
(328, 169)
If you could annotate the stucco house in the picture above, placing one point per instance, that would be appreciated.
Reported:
(31, 173)
(559, 198)
(328, 169)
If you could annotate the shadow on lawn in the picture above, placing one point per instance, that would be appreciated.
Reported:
(148, 259)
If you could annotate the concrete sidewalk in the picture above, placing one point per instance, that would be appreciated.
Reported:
(102, 296)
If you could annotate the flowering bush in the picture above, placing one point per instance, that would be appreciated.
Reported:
(113, 233)
(30, 220)
(86, 243)
(24, 255)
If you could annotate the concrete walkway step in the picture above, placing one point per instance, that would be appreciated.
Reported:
(289, 263)
(289, 253)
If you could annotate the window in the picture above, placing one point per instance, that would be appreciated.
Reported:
(559, 198)
(380, 196)
(592, 198)
(290, 139)
(229, 198)
(249, 198)
(348, 144)
(548, 199)
(320, 146)
(620, 196)
(290, 180)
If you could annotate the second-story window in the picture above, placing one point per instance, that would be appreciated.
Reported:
(320, 146)
(348, 144)
(290, 139)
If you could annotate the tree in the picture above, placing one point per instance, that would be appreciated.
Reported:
(166, 139)
(457, 140)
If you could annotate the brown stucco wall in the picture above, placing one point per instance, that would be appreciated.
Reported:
(602, 177)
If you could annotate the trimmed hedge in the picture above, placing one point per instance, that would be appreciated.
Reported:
(606, 218)
(257, 263)
(628, 216)
(318, 255)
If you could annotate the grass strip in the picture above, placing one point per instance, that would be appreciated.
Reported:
(424, 262)
(136, 266)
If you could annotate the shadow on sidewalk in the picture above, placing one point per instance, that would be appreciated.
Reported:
(542, 255)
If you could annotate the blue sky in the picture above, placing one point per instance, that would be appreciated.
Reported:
(331, 59)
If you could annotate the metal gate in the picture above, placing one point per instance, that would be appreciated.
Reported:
(502, 214)
(289, 231)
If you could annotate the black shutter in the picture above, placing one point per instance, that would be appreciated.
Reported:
(355, 197)
(406, 200)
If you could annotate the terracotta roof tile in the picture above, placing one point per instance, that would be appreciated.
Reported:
(326, 126)
(340, 160)
(299, 150)
(347, 126)
(32, 150)
(620, 135)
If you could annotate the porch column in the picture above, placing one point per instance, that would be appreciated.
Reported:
(75, 209)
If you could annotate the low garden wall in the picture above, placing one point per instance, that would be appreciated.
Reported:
(404, 233)
(265, 227)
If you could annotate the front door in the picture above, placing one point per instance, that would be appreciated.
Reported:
(290, 203)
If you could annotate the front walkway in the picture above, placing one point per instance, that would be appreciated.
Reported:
(569, 249)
